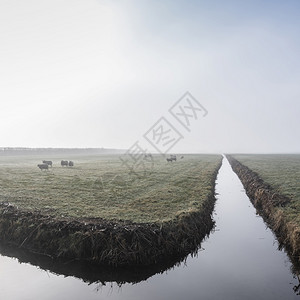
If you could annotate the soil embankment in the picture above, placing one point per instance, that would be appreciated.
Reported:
(271, 206)
(107, 242)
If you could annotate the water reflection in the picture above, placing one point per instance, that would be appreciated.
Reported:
(88, 272)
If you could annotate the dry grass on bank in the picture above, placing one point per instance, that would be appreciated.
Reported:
(282, 172)
(100, 186)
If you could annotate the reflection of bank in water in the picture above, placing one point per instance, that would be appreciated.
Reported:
(86, 271)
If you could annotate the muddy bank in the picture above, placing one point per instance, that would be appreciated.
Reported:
(107, 242)
(270, 206)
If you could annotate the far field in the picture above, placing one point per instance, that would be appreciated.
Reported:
(101, 186)
(282, 172)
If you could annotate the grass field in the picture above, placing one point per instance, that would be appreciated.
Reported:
(282, 172)
(101, 186)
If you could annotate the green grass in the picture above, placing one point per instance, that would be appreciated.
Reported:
(101, 186)
(282, 172)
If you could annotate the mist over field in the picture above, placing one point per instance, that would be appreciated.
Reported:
(104, 73)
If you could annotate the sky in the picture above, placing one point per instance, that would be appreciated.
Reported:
(107, 73)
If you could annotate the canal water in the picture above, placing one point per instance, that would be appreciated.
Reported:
(239, 260)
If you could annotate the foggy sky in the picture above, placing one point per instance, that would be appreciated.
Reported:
(102, 73)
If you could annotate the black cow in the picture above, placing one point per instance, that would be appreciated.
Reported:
(64, 163)
(48, 162)
(43, 166)
(71, 164)
(173, 157)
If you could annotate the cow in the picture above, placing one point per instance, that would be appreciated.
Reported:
(64, 163)
(48, 162)
(43, 166)
(71, 164)
(171, 158)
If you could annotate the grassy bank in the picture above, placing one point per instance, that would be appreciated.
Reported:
(100, 212)
(282, 173)
(272, 183)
